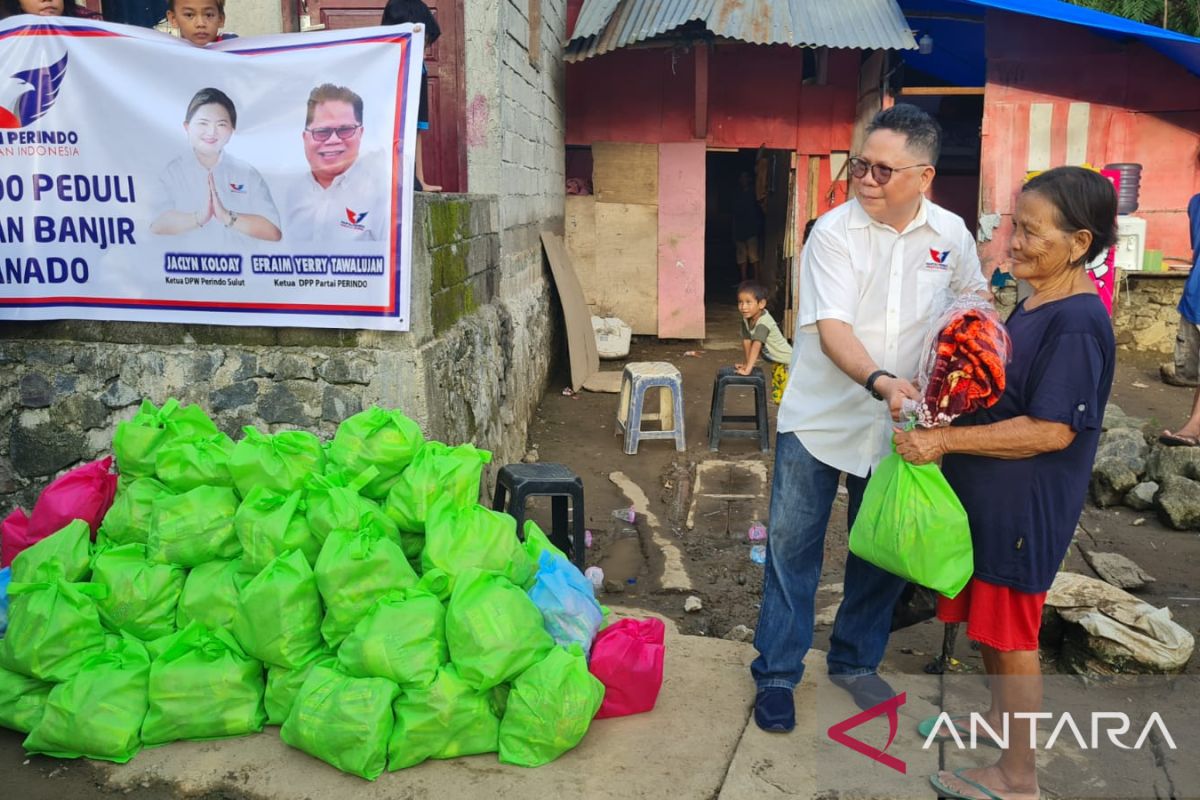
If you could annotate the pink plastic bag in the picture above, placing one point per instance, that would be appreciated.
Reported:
(14, 536)
(83, 493)
(627, 657)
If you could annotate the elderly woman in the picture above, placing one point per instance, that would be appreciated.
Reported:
(1021, 468)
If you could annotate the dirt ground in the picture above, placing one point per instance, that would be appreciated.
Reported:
(578, 430)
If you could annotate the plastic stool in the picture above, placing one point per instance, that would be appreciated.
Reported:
(639, 377)
(726, 377)
(517, 482)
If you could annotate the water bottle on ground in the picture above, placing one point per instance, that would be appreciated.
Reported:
(758, 554)
(625, 514)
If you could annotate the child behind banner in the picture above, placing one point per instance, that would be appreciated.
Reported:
(198, 21)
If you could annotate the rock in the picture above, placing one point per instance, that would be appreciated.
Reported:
(1179, 502)
(82, 410)
(247, 367)
(280, 403)
(531, 457)
(1111, 479)
(825, 617)
(1164, 461)
(8, 483)
(65, 384)
(35, 391)
(339, 403)
(1118, 570)
(1125, 444)
(1141, 497)
(346, 369)
(1115, 418)
(205, 364)
(120, 395)
(234, 395)
(292, 366)
(55, 355)
(44, 449)
(1108, 631)
(740, 633)
(692, 604)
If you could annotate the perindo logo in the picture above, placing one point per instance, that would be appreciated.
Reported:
(354, 219)
(890, 707)
(27, 95)
(1116, 725)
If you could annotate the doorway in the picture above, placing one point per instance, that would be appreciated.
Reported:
(771, 180)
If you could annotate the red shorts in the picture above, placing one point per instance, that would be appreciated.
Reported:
(1000, 617)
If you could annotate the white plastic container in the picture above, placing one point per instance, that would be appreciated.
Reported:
(1131, 243)
(612, 337)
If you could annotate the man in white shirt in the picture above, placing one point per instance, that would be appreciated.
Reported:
(872, 280)
(344, 197)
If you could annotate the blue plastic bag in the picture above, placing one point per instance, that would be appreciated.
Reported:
(567, 601)
(5, 577)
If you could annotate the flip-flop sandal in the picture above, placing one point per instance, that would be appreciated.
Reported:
(926, 726)
(1179, 440)
(945, 791)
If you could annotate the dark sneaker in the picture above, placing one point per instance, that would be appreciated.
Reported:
(867, 690)
(774, 710)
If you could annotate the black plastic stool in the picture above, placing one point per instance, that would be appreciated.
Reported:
(726, 377)
(516, 482)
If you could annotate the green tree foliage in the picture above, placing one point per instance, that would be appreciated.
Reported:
(1181, 15)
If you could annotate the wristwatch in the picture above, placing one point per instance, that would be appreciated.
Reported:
(870, 382)
(233, 217)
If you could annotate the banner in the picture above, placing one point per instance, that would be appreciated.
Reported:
(257, 181)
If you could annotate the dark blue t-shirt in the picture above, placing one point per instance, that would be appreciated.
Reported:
(1023, 512)
(1189, 302)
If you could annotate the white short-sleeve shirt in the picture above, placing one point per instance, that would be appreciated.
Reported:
(889, 286)
(354, 208)
(183, 186)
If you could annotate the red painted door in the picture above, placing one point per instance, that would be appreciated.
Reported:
(444, 145)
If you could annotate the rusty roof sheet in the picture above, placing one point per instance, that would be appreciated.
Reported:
(606, 25)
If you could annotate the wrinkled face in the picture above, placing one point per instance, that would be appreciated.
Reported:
(209, 129)
(1040, 248)
(199, 21)
(903, 190)
(43, 8)
(332, 157)
(749, 305)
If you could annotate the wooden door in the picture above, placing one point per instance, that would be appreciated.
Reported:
(444, 145)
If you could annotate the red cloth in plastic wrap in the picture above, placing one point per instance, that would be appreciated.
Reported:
(83, 493)
(627, 657)
(14, 536)
(964, 369)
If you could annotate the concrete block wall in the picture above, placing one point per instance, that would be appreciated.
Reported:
(467, 371)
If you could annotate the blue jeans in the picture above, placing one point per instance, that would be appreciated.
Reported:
(802, 494)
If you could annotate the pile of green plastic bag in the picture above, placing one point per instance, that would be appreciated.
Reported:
(353, 592)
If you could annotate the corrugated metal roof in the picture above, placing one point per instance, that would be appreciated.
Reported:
(606, 25)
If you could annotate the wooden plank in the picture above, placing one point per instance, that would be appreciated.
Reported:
(627, 254)
(625, 173)
(580, 225)
(940, 91)
(681, 176)
(581, 340)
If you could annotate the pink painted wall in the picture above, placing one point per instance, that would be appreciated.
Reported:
(681, 240)
(1144, 108)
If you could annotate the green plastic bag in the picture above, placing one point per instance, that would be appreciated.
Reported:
(537, 542)
(142, 597)
(52, 628)
(446, 719)
(334, 502)
(184, 464)
(437, 471)
(63, 554)
(912, 524)
(269, 523)
(128, 520)
(194, 527)
(457, 539)
(22, 699)
(493, 629)
(98, 713)
(203, 686)
(402, 638)
(283, 685)
(343, 721)
(136, 441)
(549, 708)
(354, 570)
(386, 440)
(210, 595)
(280, 463)
(279, 613)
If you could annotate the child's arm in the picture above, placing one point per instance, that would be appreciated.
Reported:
(753, 349)
(745, 356)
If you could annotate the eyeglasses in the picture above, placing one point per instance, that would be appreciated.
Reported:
(322, 134)
(882, 174)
